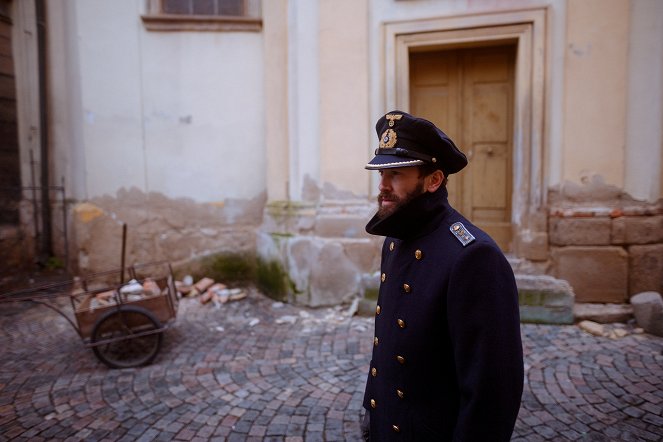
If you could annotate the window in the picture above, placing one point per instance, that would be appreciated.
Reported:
(203, 15)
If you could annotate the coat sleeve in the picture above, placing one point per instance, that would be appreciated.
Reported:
(484, 326)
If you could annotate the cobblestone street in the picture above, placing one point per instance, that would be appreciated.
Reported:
(259, 370)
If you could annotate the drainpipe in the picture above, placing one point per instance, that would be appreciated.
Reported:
(46, 243)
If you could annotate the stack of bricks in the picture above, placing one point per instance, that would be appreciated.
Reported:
(608, 253)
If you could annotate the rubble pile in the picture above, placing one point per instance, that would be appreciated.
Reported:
(131, 291)
(209, 291)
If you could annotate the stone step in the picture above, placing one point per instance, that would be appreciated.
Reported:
(602, 313)
(544, 299)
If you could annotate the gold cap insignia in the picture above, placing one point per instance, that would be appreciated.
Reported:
(388, 139)
(392, 117)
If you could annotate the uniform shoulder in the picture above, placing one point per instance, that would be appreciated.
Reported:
(468, 234)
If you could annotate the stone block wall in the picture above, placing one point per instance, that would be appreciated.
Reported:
(605, 244)
(324, 253)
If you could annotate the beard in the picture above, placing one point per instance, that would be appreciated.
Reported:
(384, 212)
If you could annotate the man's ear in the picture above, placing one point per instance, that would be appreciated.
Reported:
(433, 181)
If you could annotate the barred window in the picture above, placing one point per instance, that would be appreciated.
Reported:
(203, 15)
(204, 7)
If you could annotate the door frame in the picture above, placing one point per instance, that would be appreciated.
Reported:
(527, 29)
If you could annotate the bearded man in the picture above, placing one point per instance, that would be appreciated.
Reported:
(447, 360)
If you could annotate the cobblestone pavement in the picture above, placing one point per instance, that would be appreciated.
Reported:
(259, 370)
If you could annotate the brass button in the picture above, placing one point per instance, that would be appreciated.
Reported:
(401, 323)
(373, 404)
(396, 428)
(377, 310)
(407, 288)
(391, 246)
(400, 359)
(374, 371)
(418, 254)
(383, 277)
(400, 393)
(375, 341)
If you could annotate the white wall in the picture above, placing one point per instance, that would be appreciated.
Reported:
(180, 113)
(644, 130)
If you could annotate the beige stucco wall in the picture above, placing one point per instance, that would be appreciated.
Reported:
(595, 89)
(347, 127)
(644, 132)
(275, 38)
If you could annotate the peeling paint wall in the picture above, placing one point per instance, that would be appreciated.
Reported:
(160, 130)
(160, 228)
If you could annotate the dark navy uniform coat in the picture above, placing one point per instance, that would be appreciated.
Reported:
(447, 358)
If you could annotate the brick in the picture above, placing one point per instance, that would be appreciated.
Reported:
(645, 268)
(580, 231)
(597, 274)
(637, 230)
(532, 245)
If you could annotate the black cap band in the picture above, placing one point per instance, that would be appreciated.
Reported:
(405, 153)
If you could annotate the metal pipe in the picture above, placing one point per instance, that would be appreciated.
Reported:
(64, 227)
(124, 248)
(35, 207)
(46, 244)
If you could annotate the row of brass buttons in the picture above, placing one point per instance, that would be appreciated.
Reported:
(399, 393)
(418, 254)
(406, 287)
(374, 371)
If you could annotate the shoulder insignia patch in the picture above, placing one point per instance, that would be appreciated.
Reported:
(461, 233)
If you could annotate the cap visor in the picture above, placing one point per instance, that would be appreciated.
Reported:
(391, 161)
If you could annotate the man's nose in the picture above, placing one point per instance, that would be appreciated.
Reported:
(385, 183)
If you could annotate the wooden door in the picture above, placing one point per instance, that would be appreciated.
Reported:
(468, 93)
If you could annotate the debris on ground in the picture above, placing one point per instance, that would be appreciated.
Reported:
(612, 331)
(209, 291)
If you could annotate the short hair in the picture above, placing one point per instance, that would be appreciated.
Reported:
(428, 168)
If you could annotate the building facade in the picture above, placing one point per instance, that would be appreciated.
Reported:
(241, 130)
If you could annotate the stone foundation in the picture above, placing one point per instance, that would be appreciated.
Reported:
(160, 228)
(323, 249)
(607, 245)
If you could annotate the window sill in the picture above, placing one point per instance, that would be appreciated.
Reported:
(201, 23)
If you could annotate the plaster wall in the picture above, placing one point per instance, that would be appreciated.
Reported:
(180, 113)
(275, 41)
(595, 93)
(303, 98)
(163, 131)
(346, 130)
(644, 131)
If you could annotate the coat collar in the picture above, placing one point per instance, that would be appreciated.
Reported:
(417, 218)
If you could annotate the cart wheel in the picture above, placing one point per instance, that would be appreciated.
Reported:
(122, 349)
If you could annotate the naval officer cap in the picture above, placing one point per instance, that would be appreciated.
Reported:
(406, 140)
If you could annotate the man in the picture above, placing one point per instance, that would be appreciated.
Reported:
(447, 358)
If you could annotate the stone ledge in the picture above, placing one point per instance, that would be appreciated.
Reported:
(603, 313)
(544, 299)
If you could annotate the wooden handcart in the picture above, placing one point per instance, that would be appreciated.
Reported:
(121, 321)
